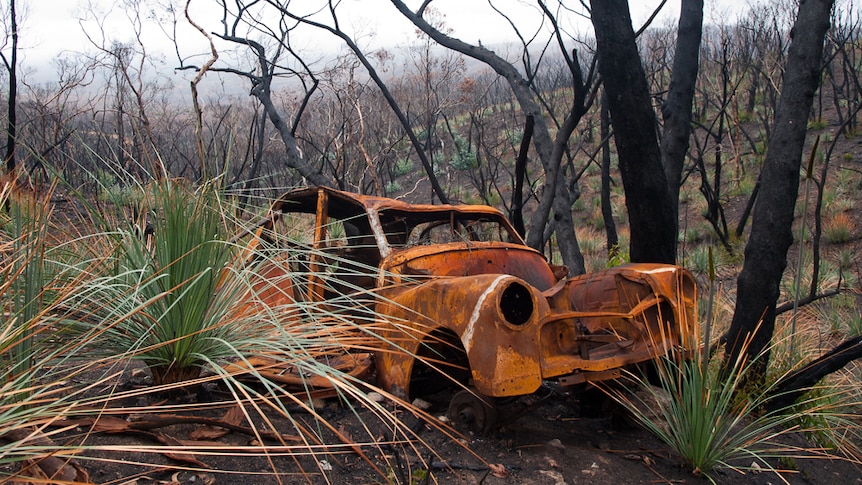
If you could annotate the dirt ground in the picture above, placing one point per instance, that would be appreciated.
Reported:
(559, 439)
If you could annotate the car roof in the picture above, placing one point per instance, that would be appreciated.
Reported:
(305, 200)
(350, 205)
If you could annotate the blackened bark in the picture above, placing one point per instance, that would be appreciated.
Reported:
(390, 99)
(607, 213)
(749, 206)
(771, 236)
(516, 213)
(676, 110)
(294, 158)
(11, 116)
(648, 200)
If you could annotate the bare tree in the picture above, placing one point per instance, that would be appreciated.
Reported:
(50, 115)
(193, 84)
(607, 212)
(719, 92)
(128, 63)
(336, 30)
(10, 61)
(766, 251)
(676, 109)
(648, 200)
(269, 64)
(843, 68)
(555, 193)
(434, 79)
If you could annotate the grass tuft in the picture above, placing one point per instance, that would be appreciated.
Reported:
(839, 228)
(713, 421)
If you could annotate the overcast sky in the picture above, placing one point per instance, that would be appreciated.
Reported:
(53, 27)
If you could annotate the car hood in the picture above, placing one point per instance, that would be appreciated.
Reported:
(469, 259)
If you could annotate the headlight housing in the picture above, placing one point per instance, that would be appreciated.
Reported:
(516, 303)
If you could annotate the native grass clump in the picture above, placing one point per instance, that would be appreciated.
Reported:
(170, 291)
(716, 419)
(37, 364)
(178, 294)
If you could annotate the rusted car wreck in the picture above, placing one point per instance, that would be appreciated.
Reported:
(462, 296)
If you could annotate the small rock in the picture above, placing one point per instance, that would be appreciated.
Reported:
(422, 404)
(375, 397)
(557, 477)
(557, 444)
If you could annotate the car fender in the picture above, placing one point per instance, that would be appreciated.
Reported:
(495, 317)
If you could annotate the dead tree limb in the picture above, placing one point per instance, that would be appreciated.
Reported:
(793, 386)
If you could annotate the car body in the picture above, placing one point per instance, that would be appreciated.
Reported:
(456, 292)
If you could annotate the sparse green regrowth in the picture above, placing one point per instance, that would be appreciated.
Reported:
(802, 234)
(745, 186)
(692, 234)
(593, 170)
(580, 205)
(846, 258)
(834, 317)
(698, 260)
(403, 167)
(845, 177)
(817, 124)
(853, 322)
(392, 188)
(494, 198)
(464, 158)
(590, 241)
(617, 256)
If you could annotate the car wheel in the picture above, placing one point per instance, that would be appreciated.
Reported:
(472, 412)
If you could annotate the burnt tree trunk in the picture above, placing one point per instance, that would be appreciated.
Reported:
(517, 211)
(607, 212)
(766, 252)
(262, 90)
(648, 200)
(676, 109)
(11, 114)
